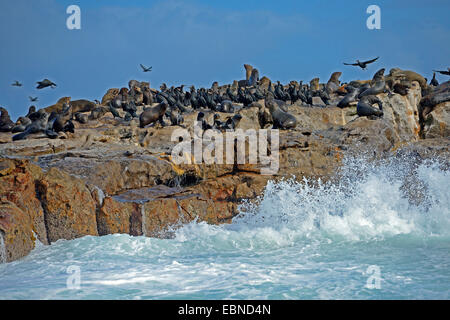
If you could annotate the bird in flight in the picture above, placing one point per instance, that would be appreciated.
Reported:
(45, 83)
(145, 69)
(361, 64)
(447, 73)
(33, 99)
(16, 84)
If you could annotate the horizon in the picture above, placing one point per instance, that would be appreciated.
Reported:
(198, 42)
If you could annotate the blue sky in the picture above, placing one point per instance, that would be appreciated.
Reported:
(198, 42)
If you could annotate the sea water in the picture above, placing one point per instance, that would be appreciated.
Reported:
(377, 231)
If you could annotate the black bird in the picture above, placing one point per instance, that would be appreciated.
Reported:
(145, 69)
(433, 81)
(16, 84)
(362, 64)
(447, 73)
(45, 83)
(33, 99)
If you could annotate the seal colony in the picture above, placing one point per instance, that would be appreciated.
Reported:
(169, 105)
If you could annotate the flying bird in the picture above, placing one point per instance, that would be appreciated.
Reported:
(33, 99)
(45, 83)
(16, 84)
(362, 64)
(447, 73)
(145, 69)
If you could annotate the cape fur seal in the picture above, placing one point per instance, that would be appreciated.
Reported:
(281, 119)
(365, 108)
(153, 114)
(39, 125)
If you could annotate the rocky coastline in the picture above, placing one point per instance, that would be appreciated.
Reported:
(114, 177)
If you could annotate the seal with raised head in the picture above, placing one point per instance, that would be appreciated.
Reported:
(248, 71)
(333, 84)
(281, 119)
(153, 114)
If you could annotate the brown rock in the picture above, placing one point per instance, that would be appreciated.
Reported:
(68, 205)
(17, 185)
(16, 232)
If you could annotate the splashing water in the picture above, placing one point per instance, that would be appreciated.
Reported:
(300, 240)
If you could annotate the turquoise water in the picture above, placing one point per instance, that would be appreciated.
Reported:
(303, 240)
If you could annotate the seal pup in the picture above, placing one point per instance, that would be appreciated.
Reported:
(365, 108)
(153, 114)
(45, 83)
(6, 124)
(281, 119)
(361, 64)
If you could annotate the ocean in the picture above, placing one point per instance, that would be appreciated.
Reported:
(377, 231)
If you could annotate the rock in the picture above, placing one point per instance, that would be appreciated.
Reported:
(115, 216)
(68, 205)
(17, 185)
(318, 102)
(437, 122)
(16, 231)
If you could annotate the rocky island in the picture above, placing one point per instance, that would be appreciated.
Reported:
(108, 173)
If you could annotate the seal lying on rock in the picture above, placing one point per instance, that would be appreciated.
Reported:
(153, 114)
(365, 108)
(351, 96)
(39, 125)
(281, 119)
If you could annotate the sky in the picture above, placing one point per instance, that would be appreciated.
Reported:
(202, 41)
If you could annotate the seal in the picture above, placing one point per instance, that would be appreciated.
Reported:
(21, 124)
(377, 88)
(39, 125)
(254, 77)
(351, 96)
(333, 84)
(82, 105)
(81, 117)
(97, 113)
(6, 124)
(281, 119)
(314, 84)
(365, 108)
(153, 114)
(248, 71)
